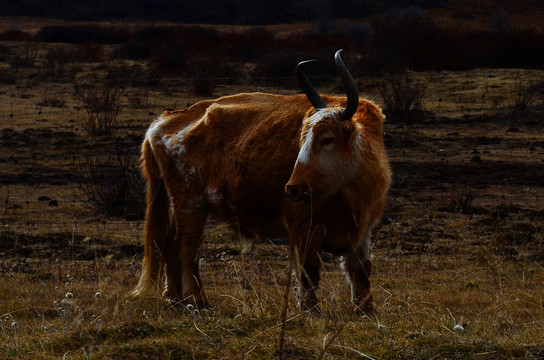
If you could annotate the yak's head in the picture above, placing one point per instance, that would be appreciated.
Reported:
(330, 141)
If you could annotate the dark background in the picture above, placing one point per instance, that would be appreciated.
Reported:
(381, 37)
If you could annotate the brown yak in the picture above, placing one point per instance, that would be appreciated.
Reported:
(304, 166)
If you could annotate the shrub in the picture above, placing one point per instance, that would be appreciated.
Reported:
(202, 86)
(89, 52)
(112, 185)
(144, 41)
(15, 35)
(53, 100)
(248, 45)
(4, 51)
(422, 44)
(76, 34)
(500, 20)
(359, 32)
(24, 56)
(280, 66)
(523, 96)
(204, 72)
(133, 50)
(121, 74)
(177, 50)
(459, 199)
(168, 56)
(401, 97)
(55, 63)
(102, 106)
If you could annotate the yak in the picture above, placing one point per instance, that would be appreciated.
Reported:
(308, 167)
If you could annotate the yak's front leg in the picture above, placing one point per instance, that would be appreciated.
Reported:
(358, 266)
(307, 264)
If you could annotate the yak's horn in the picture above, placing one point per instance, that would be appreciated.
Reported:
(349, 85)
(311, 93)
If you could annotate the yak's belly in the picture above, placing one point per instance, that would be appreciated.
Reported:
(252, 227)
(250, 218)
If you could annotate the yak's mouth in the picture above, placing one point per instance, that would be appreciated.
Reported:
(298, 193)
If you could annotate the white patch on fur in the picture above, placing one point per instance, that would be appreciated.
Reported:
(306, 148)
(364, 243)
(174, 143)
(184, 171)
(366, 247)
(154, 132)
(359, 143)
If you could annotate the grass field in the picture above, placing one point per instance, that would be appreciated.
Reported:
(458, 257)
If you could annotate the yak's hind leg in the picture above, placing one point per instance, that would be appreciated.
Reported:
(185, 275)
(173, 290)
(358, 266)
(189, 215)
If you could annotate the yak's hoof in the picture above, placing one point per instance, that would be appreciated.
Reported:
(186, 305)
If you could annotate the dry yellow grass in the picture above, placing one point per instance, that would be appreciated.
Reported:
(429, 306)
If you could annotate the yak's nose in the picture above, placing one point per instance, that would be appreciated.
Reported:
(298, 193)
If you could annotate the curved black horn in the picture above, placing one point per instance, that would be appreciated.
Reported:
(311, 93)
(349, 85)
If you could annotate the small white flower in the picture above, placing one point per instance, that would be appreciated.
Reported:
(14, 324)
(458, 328)
(62, 313)
(64, 302)
(69, 295)
(97, 295)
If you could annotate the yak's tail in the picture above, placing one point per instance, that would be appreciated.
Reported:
(158, 225)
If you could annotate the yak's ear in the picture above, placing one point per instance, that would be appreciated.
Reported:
(348, 128)
(371, 117)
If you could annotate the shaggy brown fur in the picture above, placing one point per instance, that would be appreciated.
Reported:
(232, 158)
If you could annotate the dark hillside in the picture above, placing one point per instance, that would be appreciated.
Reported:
(206, 11)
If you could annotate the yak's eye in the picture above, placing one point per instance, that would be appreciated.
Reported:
(327, 142)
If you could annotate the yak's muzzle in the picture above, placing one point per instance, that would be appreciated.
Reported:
(299, 193)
